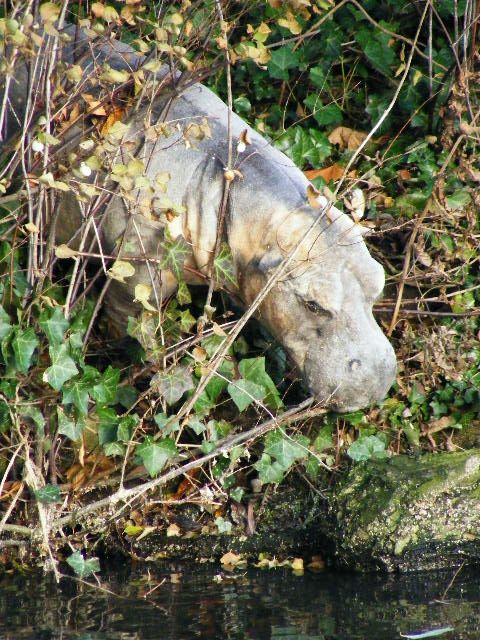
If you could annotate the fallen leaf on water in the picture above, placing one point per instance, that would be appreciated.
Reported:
(173, 531)
(317, 563)
(231, 559)
(297, 564)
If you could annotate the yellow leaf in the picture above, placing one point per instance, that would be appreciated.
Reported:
(62, 252)
(110, 14)
(49, 11)
(132, 530)
(97, 9)
(74, 73)
(113, 75)
(297, 564)
(117, 131)
(32, 228)
(416, 76)
(218, 331)
(135, 168)
(231, 559)
(120, 270)
(290, 23)
(142, 294)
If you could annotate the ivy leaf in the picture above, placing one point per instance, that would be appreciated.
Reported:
(114, 449)
(76, 393)
(282, 59)
(325, 115)
(68, 427)
(324, 440)
(223, 266)
(108, 425)
(186, 320)
(269, 471)
(63, 367)
(171, 386)
(155, 455)
(253, 369)
(376, 46)
(244, 392)
(175, 252)
(196, 425)
(366, 448)
(49, 494)
(24, 344)
(83, 568)
(301, 145)
(105, 391)
(5, 326)
(34, 413)
(162, 419)
(183, 293)
(125, 427)
(54, 325)
(459, 200)
(286, 450)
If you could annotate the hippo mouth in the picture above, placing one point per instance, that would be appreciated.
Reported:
(357, 385)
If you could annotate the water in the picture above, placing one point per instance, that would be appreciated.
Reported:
(179, 601)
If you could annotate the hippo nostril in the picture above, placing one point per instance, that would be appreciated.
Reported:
(354, 365)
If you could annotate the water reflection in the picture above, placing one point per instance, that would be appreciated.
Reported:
(179, 602)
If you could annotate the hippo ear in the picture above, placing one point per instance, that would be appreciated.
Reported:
(269, 261)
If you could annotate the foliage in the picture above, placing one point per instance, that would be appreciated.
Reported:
(314, 78)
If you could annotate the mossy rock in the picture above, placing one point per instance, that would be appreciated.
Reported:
(408, 514)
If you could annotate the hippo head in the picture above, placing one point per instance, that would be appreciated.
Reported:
(321, 308)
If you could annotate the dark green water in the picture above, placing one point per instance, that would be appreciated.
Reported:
(180, 601)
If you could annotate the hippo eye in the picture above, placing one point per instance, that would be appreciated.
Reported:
(314, 307)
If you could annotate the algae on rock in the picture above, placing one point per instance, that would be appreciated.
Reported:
(408, 514)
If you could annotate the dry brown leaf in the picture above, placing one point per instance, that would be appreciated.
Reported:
(438, 425)
(404, 174)
(312, 197)
(329, 174)
(95, 107)
(114, 116)
(347, 138)
(317, 563)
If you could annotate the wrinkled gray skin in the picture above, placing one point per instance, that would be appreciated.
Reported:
(321, 310)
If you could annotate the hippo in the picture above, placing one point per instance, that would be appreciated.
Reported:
(320, 309)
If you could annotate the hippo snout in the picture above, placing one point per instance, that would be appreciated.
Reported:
(352, 382)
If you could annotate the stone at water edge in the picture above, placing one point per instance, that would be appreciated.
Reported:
(408, 514)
